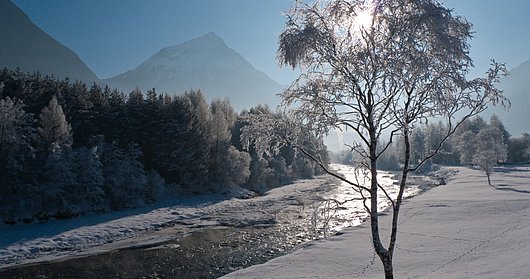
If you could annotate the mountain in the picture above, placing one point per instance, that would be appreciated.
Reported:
(26, 46)
(204, 63)
(516, 88)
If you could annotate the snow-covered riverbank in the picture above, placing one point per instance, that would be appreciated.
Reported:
(289, 207)
(465, 229)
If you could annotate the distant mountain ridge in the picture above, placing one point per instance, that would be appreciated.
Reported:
(204, 63)
(25, 46)
(516, 88)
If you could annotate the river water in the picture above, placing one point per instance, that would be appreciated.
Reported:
(287, 223)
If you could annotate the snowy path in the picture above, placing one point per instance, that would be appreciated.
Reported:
(465, 229)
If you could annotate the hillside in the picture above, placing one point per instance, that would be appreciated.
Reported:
(26, 46)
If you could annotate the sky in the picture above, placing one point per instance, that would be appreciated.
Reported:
(113, 36)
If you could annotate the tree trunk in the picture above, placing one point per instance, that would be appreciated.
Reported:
(381, 251)
(387, 265)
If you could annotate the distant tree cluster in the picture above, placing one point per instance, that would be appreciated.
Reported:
(475, 143)
(68, 149)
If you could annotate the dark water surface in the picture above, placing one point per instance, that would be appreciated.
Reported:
(210, 253)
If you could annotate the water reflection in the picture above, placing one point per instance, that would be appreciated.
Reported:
(353, 212)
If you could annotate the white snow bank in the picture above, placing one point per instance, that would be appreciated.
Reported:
(25, 243)
(465, 229)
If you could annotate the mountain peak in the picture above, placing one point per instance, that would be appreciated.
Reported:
(211, 36)
(204, 63)
(523, 67)
(206, 43)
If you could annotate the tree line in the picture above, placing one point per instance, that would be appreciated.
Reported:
(68, 149)
(475, 143)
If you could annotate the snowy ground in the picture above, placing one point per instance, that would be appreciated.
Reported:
(465, 229)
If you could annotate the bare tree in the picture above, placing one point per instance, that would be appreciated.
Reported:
(378, 68)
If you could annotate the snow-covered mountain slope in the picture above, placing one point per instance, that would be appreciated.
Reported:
(204, 63)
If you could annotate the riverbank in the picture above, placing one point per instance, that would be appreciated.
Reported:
(200, 239)
(465, 229)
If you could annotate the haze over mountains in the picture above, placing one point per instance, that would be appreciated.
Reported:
(516, 88)
(26, 46)
(205, 63)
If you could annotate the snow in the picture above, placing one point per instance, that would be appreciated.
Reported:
(465, 229)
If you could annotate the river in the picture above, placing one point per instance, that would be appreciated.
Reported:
(238, 234)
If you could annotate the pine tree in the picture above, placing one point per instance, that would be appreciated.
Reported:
(89, 180)
(17, 136)
(125, 178)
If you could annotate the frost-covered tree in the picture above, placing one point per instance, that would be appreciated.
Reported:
(490, 149)
(17, 136)
(496, 122)
(379, 69)
(519, 149)
(417, 146)
(466, 143)
(53, 128)
(56, 186)
(221, 122)
(125, 178)
(87, 191)
(236, 166)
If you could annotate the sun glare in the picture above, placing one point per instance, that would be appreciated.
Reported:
(363, 19)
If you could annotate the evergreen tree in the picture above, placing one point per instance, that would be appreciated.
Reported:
(56, 186)
(17, 137)
(125, 177)
(88, 191)
(518, 149)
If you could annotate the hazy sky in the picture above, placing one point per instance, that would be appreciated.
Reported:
(113, 36)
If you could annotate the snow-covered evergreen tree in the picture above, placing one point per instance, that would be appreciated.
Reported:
(56, 187)
(89, 180)
(17, 136)
(125, 177)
